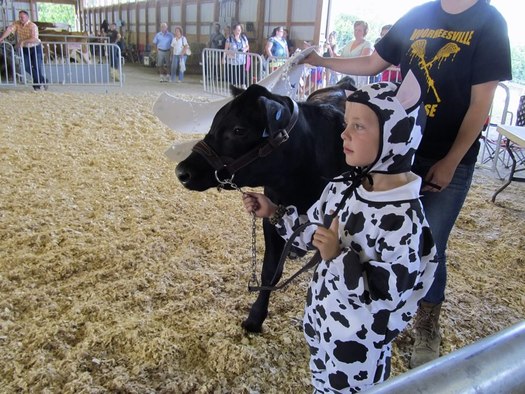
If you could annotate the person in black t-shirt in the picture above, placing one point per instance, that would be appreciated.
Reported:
(461, 47)
(114, 38)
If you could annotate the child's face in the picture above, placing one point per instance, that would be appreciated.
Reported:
(361, 135)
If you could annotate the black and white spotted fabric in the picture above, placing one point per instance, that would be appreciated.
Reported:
(360, 301)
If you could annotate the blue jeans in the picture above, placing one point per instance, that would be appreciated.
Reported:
(115, 58)
(34, 65)
(442, 209)
(175, 67)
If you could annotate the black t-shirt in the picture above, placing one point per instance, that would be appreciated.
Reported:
(453, 53)
(217, 41)
(113, 36)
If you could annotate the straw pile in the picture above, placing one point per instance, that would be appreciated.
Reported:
(113, 277)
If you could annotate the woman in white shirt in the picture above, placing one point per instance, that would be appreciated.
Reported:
(358, 47)
(179, 44)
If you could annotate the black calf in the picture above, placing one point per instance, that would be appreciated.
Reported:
(293, 172)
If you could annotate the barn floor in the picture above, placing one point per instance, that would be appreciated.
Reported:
(114, 278)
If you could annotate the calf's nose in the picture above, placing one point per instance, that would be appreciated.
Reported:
(183, 174)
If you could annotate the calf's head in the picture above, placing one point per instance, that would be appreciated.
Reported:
(244, 142)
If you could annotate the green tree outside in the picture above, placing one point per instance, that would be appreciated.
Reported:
(57, 13)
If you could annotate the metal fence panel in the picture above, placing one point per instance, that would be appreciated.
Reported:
(8, 76)
(62, 63)
(219, 72)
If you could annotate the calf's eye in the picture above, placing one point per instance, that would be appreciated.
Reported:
(238, 131)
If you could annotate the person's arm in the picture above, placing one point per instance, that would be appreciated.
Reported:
(362, 65)
(481, 98)
(7, 31)
(285, 219)
(185, 46)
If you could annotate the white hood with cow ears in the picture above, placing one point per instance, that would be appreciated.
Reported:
(401, 122)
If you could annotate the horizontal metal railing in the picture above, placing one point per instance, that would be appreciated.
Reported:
(491, 365)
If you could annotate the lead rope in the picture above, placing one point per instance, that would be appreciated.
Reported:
(253, 282)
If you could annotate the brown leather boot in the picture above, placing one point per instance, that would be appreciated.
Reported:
(427, 335)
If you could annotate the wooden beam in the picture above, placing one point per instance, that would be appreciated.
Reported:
(169, 21)
(260, 36)
(317, 27)
(198, 22)
(216, 11)
(289, 15)
(183, 15)
(137, 19)
(146, 20)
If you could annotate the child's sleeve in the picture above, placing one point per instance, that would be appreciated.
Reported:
(292, 220)
(388, 281)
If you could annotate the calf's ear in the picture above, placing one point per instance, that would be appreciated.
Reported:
(235, 91)
(275, 113)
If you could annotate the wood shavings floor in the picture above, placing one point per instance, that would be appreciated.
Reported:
(114, 278)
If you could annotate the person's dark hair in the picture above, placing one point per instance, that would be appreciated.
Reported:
(23, 12)
(276, 29)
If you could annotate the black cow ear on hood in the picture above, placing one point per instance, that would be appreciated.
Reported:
(276, 113)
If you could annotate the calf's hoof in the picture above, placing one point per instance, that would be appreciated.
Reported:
(251, 326)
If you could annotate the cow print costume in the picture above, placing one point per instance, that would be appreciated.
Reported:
(361, 300)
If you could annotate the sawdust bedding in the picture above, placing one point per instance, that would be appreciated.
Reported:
(113, 277)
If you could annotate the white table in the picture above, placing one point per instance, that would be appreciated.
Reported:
(515, 134)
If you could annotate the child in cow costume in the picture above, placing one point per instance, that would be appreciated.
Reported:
(378, 255)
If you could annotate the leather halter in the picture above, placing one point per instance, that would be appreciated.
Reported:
(230, 165)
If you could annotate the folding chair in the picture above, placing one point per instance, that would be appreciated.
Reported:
(519, 151)
(493, 146)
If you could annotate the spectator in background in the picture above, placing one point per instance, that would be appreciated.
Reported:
(104, 27)
(236, 48)
(330, 48)
(289, 42)
(226, 32)
(359, 46)
(217, 39)
(114, 38)
(31, 47)
(162, 41)
(178, 63)
(276, 49)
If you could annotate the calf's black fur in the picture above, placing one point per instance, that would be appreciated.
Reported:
(295, 173)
